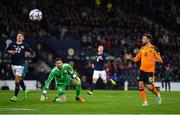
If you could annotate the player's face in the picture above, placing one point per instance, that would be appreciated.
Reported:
(59, 64)
(20, 37)
(100, 49)
(144, 40)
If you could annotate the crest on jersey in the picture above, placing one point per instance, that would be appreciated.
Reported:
(142, 51)
(22, 47)
(65, 71)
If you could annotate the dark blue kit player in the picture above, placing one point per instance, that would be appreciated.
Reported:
(19, 51)
(99, 69)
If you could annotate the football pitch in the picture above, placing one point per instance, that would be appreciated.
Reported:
(102, 102)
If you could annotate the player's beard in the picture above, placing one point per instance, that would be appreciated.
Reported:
(143, 44)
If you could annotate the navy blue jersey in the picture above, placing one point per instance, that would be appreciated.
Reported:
(100, 64)
(19, 57)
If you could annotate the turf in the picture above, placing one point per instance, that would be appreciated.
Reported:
(102, 102)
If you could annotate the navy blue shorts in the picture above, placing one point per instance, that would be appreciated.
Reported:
(146, 77)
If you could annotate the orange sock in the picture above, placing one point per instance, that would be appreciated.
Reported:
(155, 91)
(143, 95)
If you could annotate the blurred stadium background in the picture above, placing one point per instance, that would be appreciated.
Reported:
(72, 29)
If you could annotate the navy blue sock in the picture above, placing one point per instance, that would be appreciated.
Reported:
(16, 89)
(22, 85)
(93, 86)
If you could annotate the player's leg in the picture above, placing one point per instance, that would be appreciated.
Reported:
(17, 71)
(26, 92)
(142, 88)
(17, 87)
(151, 87)
(143, 93)
(61, 97)
(94, 80)
(155, 91)
(103, 76)
(22, 84)
(112, 82)
(77, 82)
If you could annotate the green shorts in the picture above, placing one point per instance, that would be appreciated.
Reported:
(62, 88)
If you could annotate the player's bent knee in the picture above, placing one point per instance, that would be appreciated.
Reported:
(76, 82)
(17, 79)
(94, 80)
(63, 98)
(150, 86)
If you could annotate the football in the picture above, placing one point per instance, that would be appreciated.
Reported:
(35, 15)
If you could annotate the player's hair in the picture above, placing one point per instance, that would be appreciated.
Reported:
(100, 45)
(58, 59)
(149, 36)
(21, 32)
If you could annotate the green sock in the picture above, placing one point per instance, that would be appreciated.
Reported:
(78, 89)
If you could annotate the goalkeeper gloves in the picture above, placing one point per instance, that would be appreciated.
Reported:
(76, 78)
(44, 95)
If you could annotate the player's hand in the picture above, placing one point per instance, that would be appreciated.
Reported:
(76, 77)
(100, 57)
(92, 66)
(44, 96)
(156, 60)
(12, 52)
(27, 54)
(128, 56)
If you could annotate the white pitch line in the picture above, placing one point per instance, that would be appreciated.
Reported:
(16, 109)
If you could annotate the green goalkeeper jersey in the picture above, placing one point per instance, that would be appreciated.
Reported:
(61, 75)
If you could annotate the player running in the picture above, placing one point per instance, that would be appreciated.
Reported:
(61, 73)
(99, 69)
(19, 51)
(148, 55)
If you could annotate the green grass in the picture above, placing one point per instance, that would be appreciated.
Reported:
(102, 102)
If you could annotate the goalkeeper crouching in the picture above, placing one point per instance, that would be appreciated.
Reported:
(61, 73)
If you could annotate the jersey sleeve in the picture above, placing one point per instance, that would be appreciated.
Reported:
(8, 47)
(28, 49)
(50, 78)
(70, 69)
(157, 55)
(138, 56)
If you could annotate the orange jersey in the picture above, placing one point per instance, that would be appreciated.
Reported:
(146, 55)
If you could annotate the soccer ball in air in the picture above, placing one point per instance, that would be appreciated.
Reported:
(35, 15)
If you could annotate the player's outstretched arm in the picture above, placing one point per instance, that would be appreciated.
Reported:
(11, 52)
(136, 59)
(129, 57)
(9, 49)
(46, 87)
